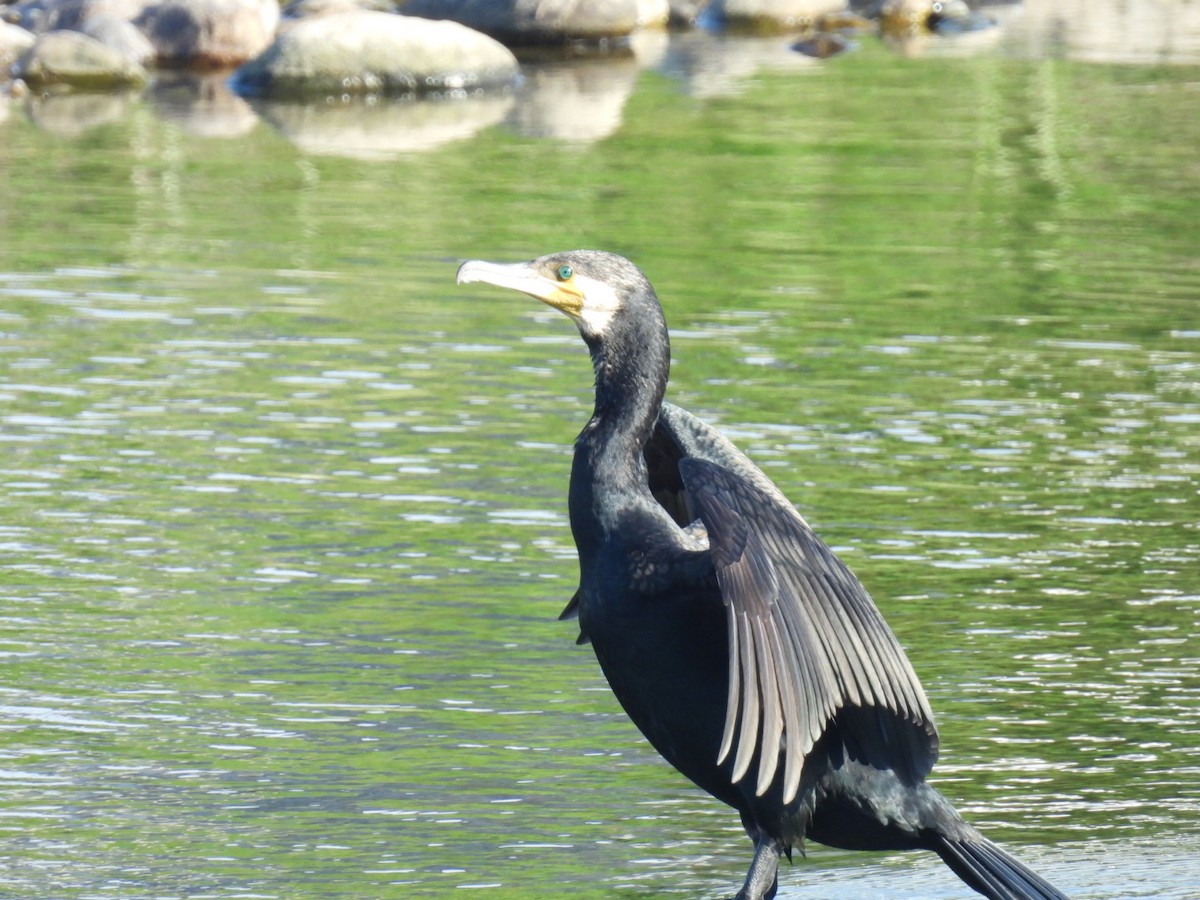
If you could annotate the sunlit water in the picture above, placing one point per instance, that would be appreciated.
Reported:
(284, 536)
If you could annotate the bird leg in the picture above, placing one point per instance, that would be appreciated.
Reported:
(761, 880)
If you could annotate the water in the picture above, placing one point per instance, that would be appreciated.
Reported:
(284, 536)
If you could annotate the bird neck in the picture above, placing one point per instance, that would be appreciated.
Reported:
(630, 384)
(609, 476)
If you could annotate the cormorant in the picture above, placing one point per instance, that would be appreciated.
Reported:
(747, 653)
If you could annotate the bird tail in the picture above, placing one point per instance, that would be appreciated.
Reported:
(992, 872)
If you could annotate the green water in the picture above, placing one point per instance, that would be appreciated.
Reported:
(283, 531)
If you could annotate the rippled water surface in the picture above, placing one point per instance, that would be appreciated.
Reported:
(282, 510)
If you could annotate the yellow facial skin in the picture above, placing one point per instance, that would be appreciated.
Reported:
(563, 293)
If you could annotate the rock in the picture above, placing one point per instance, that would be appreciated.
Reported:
(120, 35)
(900, 16)
(373, 52)
(526, 22)
(14, 41)
(955, 17)
(653, 13)
(685, 13)
(209, 33)
(824, 44)
(40, 16)
(773, 16)
(74, 59)
(305, 9)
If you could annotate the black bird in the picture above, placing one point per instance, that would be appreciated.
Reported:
(746, 652)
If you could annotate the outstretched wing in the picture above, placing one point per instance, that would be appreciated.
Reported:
(807, 646)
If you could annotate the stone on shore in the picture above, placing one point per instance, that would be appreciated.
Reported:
(529, 22)
(14, 41)
(120, 35)
(41, 16)
(209, 33)
(774, 16)
(653, 13)
(72, 59)
(306, 9)
(373, 52)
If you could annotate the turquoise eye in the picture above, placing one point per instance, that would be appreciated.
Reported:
(565, 272)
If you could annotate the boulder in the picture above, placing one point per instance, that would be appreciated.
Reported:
(685, 13)
(653, 13)
(208, 33)
(526, 22)
(120, 35)
(76, 60)
(40, 16)
(373, 52)
(304, 9)
(899, 16)
(774, 16)
(14, 41)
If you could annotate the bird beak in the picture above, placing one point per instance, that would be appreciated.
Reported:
(562, 295)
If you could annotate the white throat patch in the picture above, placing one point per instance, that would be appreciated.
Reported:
(600, 304)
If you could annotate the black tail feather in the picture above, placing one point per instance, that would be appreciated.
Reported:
(992, 872)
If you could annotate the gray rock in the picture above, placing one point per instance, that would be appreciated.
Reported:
(897, 16)
(373, 52)
(120, 35)
(524, 22)
(40, 16)
(685, 13)
(653, 13)
(304, 9)
(774, 16)
(14, 40)
(76, 60)
(209, 33)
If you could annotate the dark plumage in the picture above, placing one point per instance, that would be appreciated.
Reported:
(742, 647)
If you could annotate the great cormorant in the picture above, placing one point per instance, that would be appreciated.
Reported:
(746, 652)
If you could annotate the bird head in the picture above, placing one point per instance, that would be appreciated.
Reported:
(596, 289)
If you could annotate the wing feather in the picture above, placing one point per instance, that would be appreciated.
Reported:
(767, 638)
(807, 645)
(789, 684)
(750, 690)
(733, 702)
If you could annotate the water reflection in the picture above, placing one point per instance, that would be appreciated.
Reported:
(201, 104)
(1111, 32)
(381, 129)
(582, 101)
(709, 65)
(74, 115)
(579, 101)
